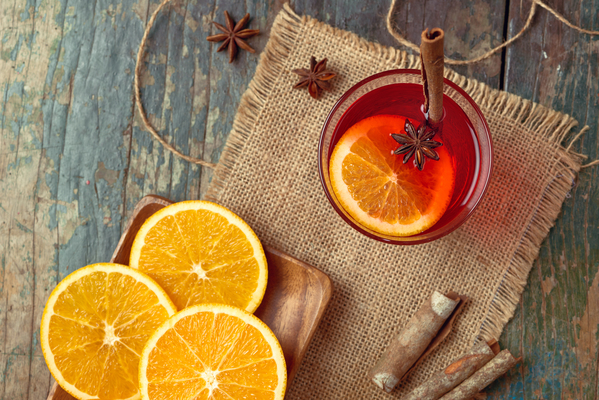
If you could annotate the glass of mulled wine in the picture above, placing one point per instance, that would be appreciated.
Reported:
(391, 197)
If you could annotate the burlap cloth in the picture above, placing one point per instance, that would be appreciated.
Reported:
(268, 175)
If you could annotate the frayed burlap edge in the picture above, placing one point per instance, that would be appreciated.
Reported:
(551, 126)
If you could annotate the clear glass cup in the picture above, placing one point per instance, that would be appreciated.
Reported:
(463, 202)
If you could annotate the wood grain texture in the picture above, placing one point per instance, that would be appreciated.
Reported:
(74, 160)
(555, 327)
(294, 302)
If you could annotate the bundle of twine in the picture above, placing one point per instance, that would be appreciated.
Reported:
(390, 27)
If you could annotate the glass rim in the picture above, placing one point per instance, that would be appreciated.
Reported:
(472, 202)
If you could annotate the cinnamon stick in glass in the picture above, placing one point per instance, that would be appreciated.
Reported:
(405, 349)
(433, 62)
(482, 378)
(460, 369)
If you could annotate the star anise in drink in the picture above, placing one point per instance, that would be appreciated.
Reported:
(418, 143)
(234, 36)
(316, 78)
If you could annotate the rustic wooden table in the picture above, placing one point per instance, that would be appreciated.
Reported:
(74, 161)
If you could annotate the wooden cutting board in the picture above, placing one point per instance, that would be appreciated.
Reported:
(293, 305)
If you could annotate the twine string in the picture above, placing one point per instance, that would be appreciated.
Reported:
(574, 140)
(533, 9)
(591, 164)
(390, 27)
(140, 107)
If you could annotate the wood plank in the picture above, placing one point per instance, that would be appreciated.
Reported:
(7, 148)
(55, 101)
(556, 324)
(21, 272)
(88, 120)
(44, 234)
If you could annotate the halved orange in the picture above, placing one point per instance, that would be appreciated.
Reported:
(381, 192)
(94, 328)
(212, 351)
(200, 252)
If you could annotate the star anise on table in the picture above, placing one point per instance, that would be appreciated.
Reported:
(316, 78)
(234, 35)
(417, 142)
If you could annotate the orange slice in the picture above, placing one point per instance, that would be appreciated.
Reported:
(200, 252)
(94, 328)
(212, 351)
(378, 190)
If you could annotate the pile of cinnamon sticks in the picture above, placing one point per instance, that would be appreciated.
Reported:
(463, 379)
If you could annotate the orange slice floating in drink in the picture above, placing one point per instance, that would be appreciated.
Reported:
(378, 190)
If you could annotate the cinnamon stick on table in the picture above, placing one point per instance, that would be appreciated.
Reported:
(405, 350)
(460, 369)
(433, 61)
(482, 378)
